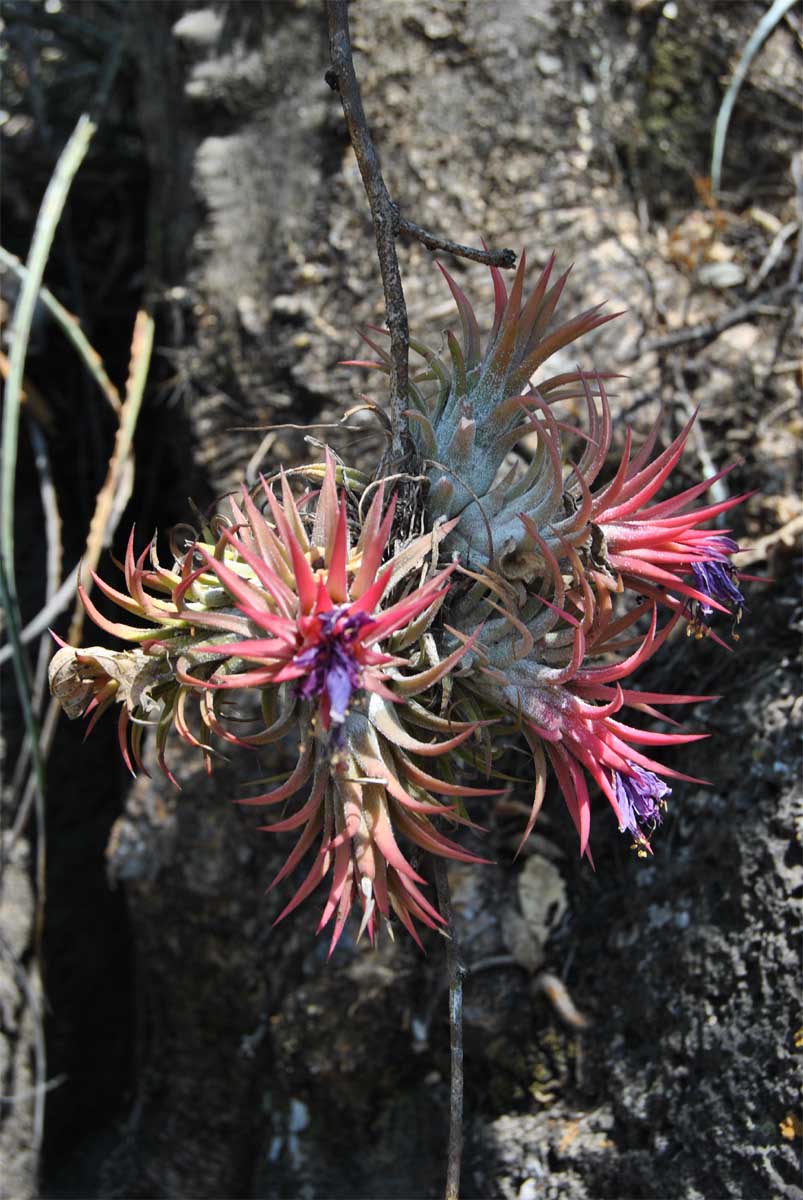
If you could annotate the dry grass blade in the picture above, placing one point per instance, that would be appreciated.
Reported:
(52, 517)
(47, 220)
(117, 475)
(109, 506)
(456, 973)
(764, 28)
(71, 327)
(50, 509)
(52, 206)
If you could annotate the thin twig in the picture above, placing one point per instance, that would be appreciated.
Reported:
(491, 258)
(794, 271)
(388, 224)
(797, 176)
(52, 519)
(759, 551)
(385, 219)
(47, 732)
(702, 333)
(456, 974)
(29, 1093)
(773, 254)
(46, 615)
(65, 594)
(719, 488)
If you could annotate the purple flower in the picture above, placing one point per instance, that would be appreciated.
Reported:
(717, 577)
(640, 796)
(331, 665)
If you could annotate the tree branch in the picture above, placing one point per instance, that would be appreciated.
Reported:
(704, 333)
(385, 218)
(456, 973)
(388, 223)
(491, 258)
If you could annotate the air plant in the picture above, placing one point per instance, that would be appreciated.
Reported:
(520, 594)
(281, 605)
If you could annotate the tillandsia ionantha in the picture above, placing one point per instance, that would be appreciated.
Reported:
(505, 590)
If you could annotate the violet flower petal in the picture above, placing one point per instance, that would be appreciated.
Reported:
(639, 797)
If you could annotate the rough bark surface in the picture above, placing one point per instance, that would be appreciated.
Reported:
(245, 1063)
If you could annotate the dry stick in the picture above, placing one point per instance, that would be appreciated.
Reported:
(719, 488)
(491, 258)
(50, 510)
(774, 252)
(759, 551)
(384, 217)
(797, 175)
(388, 223)
(702, 333)
(456, 973)
(65, 594)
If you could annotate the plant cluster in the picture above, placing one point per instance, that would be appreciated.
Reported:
(504, 591)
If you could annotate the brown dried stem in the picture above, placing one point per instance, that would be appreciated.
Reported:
(491, 258)
(388, 223)
(384, 218)
(456, 973)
